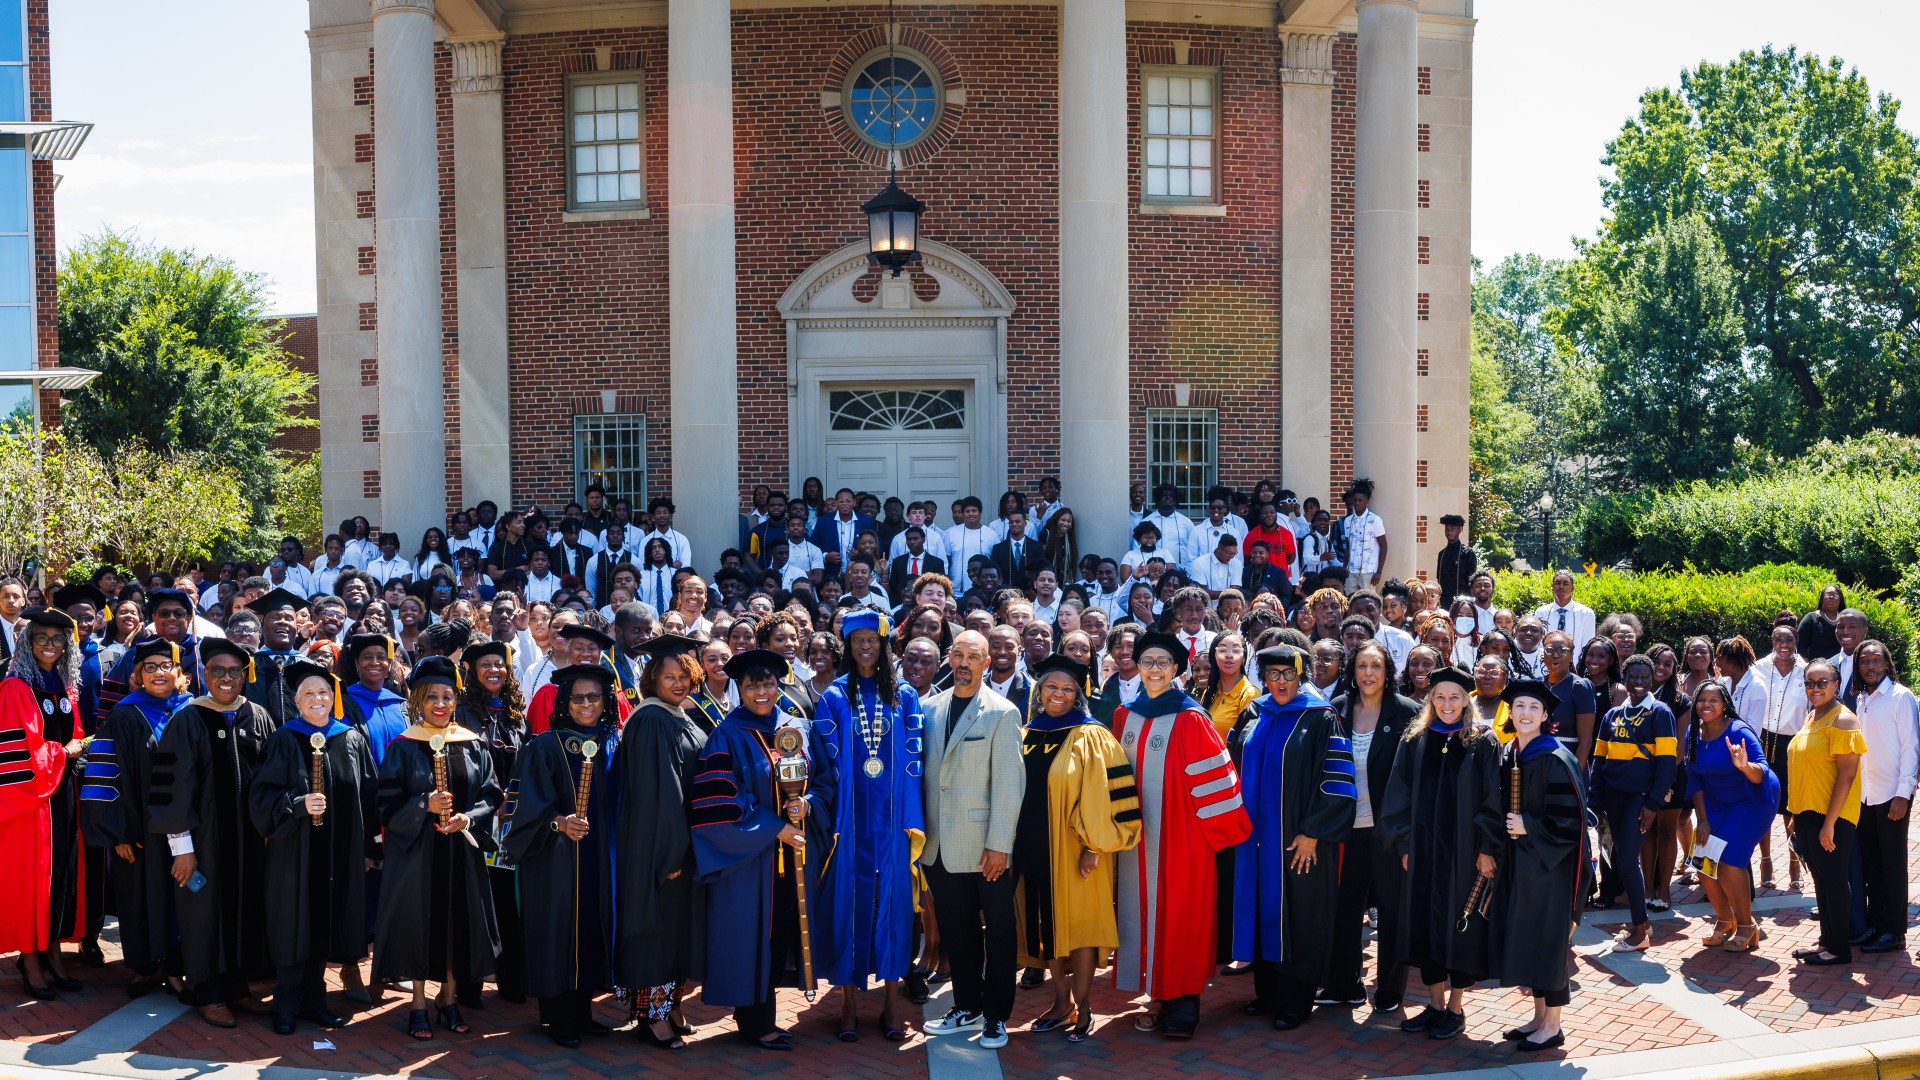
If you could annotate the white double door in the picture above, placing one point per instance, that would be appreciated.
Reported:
(912, 441)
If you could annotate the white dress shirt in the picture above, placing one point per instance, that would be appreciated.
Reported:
(1749, 695)
(656, 587)
(1196, 643)
(1891, 766)
(320, 577)
(935, 544)
(358, 553)
(1138, 557)
(1398, 642)
(1175, 530)
(1786, 709)
(624, 555)
(483, 535)
(1845, 663)
(963, 544)
(679, 550)
(1047, 613)
(1576, 619)
(542, 588)
(384, 570)
(1113, 603)
(1206, 536)
(1314, 548)
(1483, 619)
(802, 558)
(472, 542)
(1208, 572)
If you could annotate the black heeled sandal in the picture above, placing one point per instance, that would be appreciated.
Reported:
(675, 1042)
(451, 1019)
(38, 993)
(418, 1026)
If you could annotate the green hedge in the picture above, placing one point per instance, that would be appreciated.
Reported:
(1849, 506)
(1677, 604)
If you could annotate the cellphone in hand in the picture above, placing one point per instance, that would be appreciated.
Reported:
(197, 882)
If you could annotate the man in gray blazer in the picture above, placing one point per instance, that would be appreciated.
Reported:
(971, 793)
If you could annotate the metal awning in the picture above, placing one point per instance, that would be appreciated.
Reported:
(56, 141)
(52, 378)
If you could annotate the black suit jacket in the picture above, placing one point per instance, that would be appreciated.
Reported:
(900, 578)
(1396, 712)
(1020, 576)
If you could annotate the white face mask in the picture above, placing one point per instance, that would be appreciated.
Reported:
(1464, 624)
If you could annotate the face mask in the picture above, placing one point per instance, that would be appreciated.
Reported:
(1464, 624)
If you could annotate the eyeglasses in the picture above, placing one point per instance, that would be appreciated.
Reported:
(587, 699)
(1155, 665)
(1819, 684)
(1558, 650)
(1285, 674)
(1063, 691)
(170, 613)
(226, 672)
(156, 667)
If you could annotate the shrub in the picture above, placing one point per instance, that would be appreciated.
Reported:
(1677, 604)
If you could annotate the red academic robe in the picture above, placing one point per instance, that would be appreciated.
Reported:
(1190, 803)
(540, 710)
(31, 769)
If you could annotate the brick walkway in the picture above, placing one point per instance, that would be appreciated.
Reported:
(1674, 1000)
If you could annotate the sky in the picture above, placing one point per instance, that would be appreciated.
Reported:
(203, 124)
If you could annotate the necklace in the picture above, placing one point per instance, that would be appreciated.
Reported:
(872, 730)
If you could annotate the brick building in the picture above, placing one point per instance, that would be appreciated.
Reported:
(1187, 240)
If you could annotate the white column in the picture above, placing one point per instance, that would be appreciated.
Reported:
(1306, 259)
(480, 227)
(701, 305)
(406, 211)
(1095, 422)
(1385, 266)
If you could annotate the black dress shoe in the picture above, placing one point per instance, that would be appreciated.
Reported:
(1529, 1046)
(324, 1018)
(915, 987)
(1828, 961)
(1287, 1023)
(1883, 943)
(1807, 954)
(1861, 938)
(596, 1029)
(1031, 978)
(91, 955)
(283, 1025)
(1256, 1007)
(563, 1036)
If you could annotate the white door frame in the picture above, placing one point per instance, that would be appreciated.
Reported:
(896, 338)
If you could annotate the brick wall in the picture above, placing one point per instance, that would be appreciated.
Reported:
(45, 252)
(1346, 115)
(302, 343)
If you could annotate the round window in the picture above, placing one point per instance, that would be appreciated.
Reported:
(893, 100)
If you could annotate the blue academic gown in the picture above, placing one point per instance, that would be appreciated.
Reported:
(863, 924)
(736, 841)
(381, 714)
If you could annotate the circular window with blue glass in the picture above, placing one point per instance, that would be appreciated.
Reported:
(893, 100)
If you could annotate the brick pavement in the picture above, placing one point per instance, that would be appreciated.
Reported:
(55, 1021)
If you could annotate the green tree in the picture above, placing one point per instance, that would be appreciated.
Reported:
(1808, 182)
(1499, 465)
(189, 362)
(1668, 341)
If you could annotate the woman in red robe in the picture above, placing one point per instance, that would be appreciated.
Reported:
(1190, 800)
(41, 689)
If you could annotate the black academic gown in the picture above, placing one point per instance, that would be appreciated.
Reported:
(436, 910)
(662, 919)
(1540, 879)
(1442, 810)
(202, 768)
(268, 688)
(504, 741)
(316, 874)
(77, 867)
(566, 886)
(113, 811)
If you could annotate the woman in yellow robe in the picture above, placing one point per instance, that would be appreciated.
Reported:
(1081, 805)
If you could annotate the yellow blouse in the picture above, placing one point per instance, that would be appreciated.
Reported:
(1811, 771)
(1229, 704)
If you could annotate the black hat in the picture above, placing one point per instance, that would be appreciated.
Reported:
(1458, 676)
(79, 592)
(156, 646)
(1059, 662)
(474, 653)
(665, 645)
(302, 669)
(576, 631)
(214, 646)
(278, 598)
(436, 669)
(359, 643)
(758, 664)
(1532, 688)
(157, 597)
(53, 617)
(1282, 655)
(564, 678)
(1160, 639)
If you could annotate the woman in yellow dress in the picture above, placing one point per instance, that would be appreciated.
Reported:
(1081, 805)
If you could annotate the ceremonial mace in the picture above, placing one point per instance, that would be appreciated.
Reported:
(438, 744)
(319, 743)
(790, 778)
(582, 790)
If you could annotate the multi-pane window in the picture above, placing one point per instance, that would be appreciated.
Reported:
(1183, 450)
(1181, 130)
(611, 449)
(604, 114)
(893, 98)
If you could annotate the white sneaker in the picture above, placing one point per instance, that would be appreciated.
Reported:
(956, 1020)
(994, 1035)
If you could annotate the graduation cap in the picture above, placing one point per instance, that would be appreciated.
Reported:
(279, 598)
(160, 596)
(437, 670)
(156, 646)
(1458, 676)
(79, 593)
(54, 618)
(1060, 662)
(1281, 656)
(299, 671)
(665, 645)
(758, 664)
(359, 643)
(579, 631)
(213, 646)
(1532, 688)
(564, 678)
(864, 619)
(475, 653)
(1160, 639)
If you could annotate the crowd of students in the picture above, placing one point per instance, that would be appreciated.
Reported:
(561, 761)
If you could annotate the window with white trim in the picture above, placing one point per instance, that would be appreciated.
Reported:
(1180, 131)
(611, 449)
(1183, 450)
(605, 114)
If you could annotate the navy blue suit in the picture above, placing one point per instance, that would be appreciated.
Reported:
(826, 534)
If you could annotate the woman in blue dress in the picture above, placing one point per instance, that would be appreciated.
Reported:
(1735, 794)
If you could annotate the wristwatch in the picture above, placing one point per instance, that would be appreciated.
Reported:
(555, 822)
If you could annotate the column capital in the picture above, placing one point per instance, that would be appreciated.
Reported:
(1306, 57)
(388, 7)
(1412, 4)
(476, 66)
